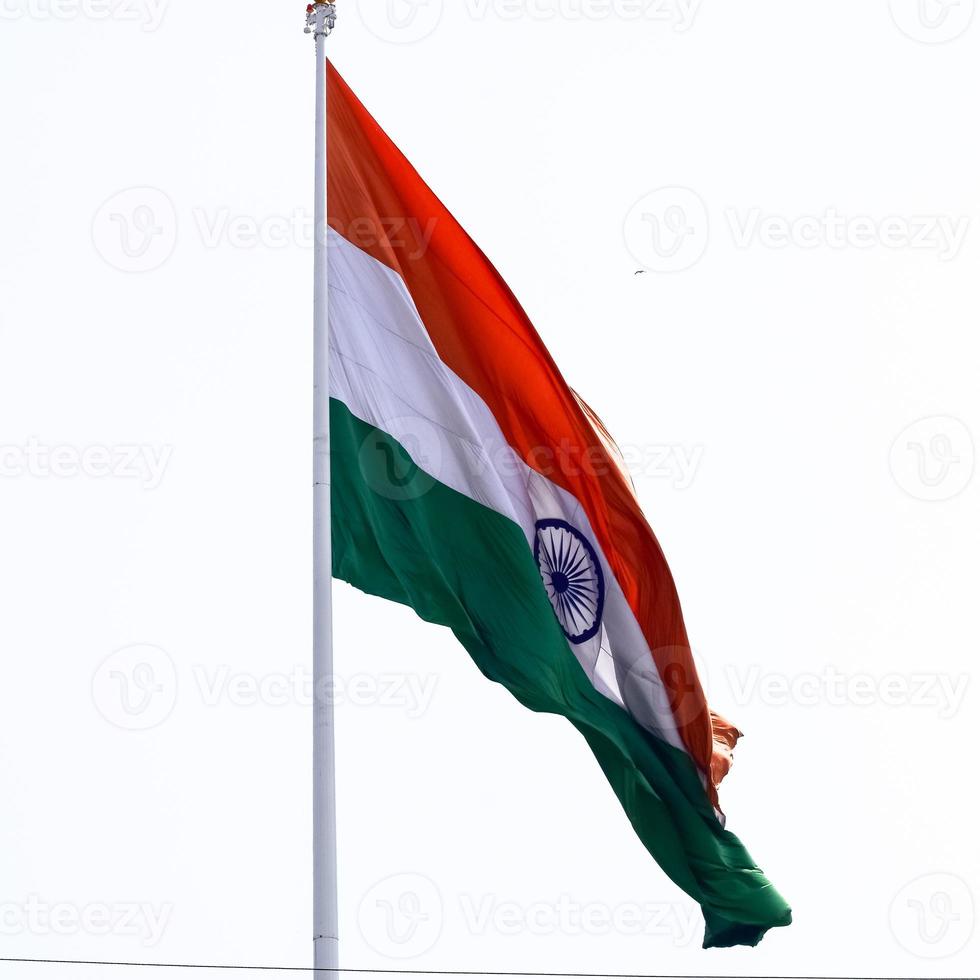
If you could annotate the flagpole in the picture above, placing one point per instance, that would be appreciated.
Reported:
(321, 17)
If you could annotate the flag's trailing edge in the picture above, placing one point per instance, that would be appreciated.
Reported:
(472, 484)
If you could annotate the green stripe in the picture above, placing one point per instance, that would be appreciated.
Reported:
(400, 534)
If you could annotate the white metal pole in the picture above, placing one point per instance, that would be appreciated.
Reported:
(321, 17)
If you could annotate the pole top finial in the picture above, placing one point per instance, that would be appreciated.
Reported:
(321, 18)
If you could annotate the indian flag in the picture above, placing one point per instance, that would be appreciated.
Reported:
(473, 485)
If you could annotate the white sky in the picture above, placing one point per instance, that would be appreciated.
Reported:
(825, 300)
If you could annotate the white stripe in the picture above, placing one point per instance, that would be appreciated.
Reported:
(384, 368)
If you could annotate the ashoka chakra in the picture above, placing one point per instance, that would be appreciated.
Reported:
(572, 578)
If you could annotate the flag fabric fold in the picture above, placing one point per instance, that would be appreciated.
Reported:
(470, 483)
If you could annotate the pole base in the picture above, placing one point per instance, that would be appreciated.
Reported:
(326, 958)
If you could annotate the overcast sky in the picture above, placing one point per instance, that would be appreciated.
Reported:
(793, 378)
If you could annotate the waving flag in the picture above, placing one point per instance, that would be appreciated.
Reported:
(472, 484)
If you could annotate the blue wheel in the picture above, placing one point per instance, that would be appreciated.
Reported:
(572, 577)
